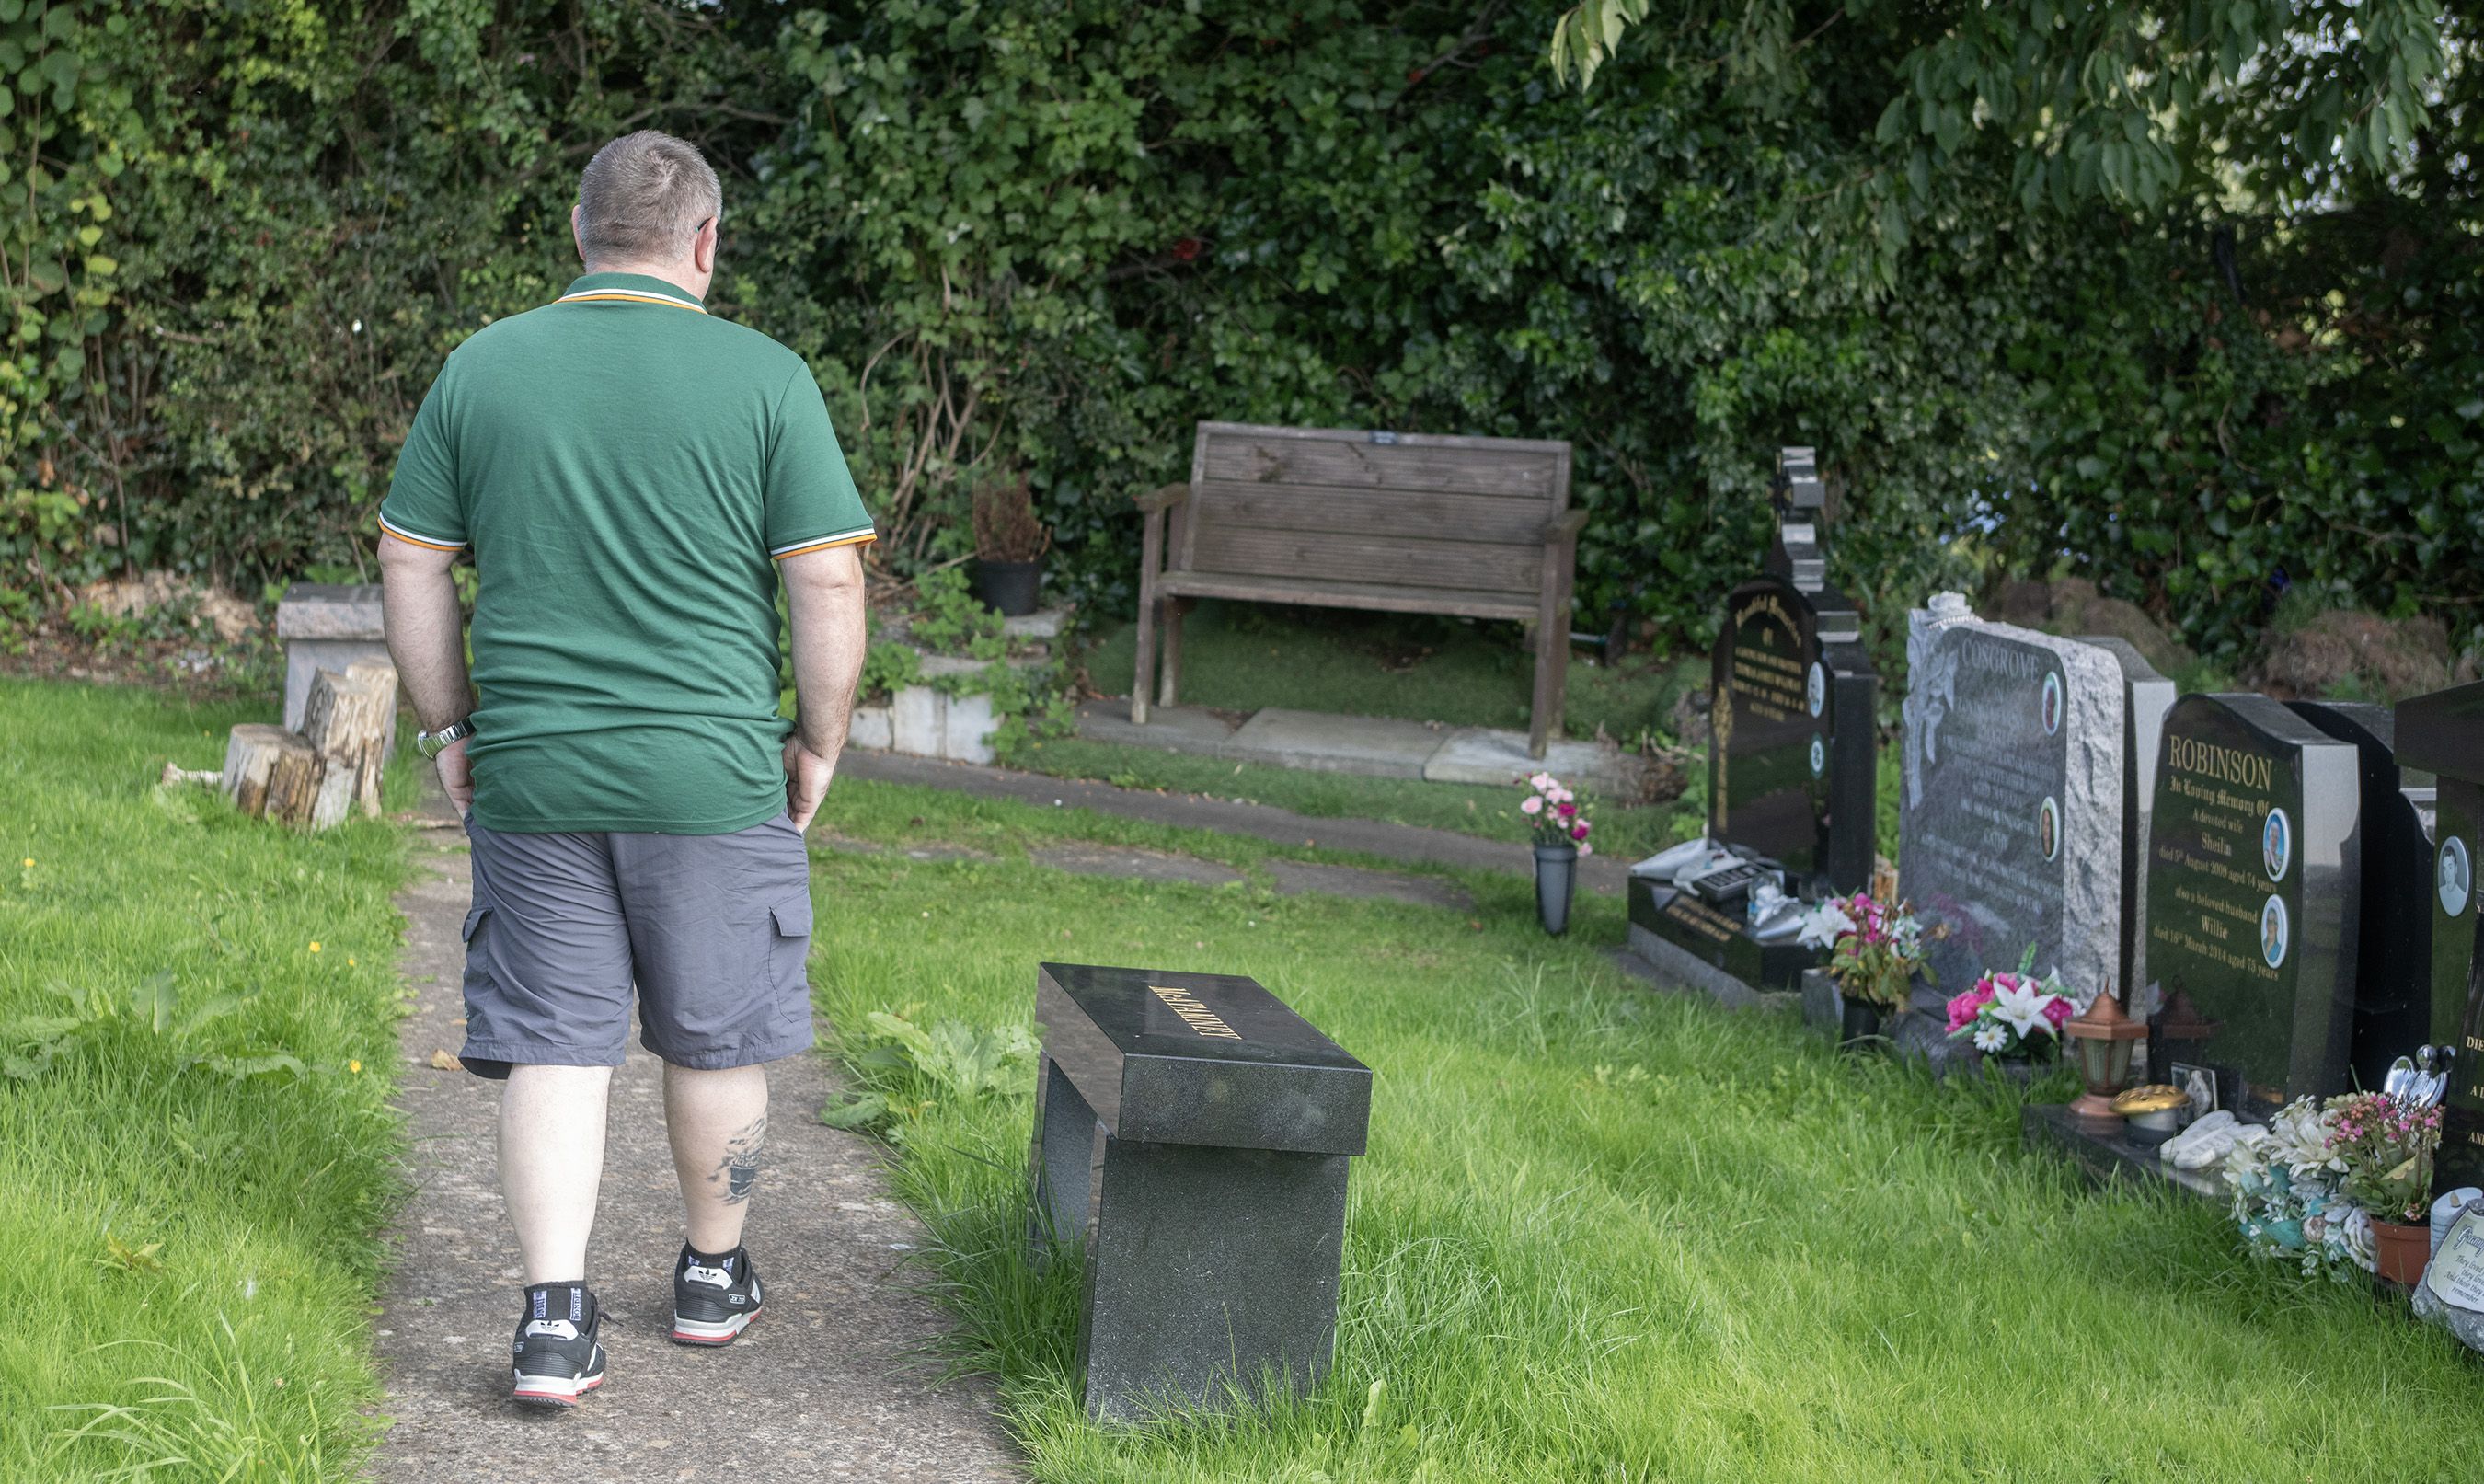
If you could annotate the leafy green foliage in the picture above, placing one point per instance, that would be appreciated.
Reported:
(2182, 295)
(907, 1067)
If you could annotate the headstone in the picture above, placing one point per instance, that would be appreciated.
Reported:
(2014, 800)
(1191, 1136)
(2255, 894)
(326, 627)
(2442, 733)
(2393, 1011)
(1793, 713)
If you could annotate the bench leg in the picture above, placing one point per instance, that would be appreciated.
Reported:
(1212, 1267)
(1061, 1165)
(1552, 651)
(1142, 677)
(1175, 609)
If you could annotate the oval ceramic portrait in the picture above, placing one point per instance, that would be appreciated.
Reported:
(2052, 702)
(1815, 689)
(2273, 929)
(2275, 844)
(1819, 755)
(2048, 829)
(2454, 876)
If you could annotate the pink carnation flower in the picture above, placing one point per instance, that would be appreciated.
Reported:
(1532, 805)
(2057, 1008)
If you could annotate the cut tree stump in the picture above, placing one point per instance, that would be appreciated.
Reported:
(347, 720)
(317, 776)
(271, 772)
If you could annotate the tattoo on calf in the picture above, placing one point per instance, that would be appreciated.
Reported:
(738, 1171)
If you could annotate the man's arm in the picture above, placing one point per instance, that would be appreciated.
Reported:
(823, 603)
(419, 601)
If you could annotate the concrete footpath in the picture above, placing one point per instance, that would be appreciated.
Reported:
(831, 1382)
(1409, 842)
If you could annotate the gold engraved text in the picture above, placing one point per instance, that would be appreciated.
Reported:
(1199, 1017)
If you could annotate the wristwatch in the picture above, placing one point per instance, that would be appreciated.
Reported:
(433, 743)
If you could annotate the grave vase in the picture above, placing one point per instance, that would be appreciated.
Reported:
(1556, 881)
(2400, 1251)
(1858, 1022)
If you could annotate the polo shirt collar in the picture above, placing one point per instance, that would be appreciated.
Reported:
(634, 286)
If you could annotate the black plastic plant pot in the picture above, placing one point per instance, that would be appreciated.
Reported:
(1010, 587)
(1858, 1021)
(1556, 881)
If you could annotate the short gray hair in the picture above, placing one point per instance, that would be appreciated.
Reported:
(643, 198)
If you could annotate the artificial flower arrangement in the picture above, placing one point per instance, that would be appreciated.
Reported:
(1555, 815)
(1875, 950)
(2013, 1015)
(2308, 1189)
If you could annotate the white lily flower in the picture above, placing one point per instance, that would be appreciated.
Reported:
(1823, 925)
(2021, 1008)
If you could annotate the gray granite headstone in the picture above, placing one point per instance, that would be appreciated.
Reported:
(326, 627)
(1192, 1137)
(2013, 801)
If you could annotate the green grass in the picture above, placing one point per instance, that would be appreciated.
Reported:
(1243, 655)
(1603, 1234)
(188, 1251)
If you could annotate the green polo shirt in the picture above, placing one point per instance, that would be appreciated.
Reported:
(627, 469)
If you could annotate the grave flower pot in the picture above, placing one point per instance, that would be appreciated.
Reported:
(1556, 879)
(1012, 588)
(1858, 1022)
(2401, 1250)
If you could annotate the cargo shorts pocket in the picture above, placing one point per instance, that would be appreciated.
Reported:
(788, 943)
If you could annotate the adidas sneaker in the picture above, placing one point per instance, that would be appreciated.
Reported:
(714, 1298)
(557, 1355)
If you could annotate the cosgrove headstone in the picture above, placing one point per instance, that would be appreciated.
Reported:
(2442, 733)
(2254, 897)
(1792, 763)
(2013, 801)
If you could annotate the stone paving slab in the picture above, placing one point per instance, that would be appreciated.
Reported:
(1320, 742)
(1172, 728)
(833, 1383)
(1495, 759)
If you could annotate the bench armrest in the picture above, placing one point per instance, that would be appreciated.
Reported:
(1564, 526)
(1163, 498)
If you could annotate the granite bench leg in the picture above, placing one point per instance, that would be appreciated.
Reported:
(1062, 1165)
(1213, 1270)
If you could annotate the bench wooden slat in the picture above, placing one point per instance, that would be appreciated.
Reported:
(1369, 512)
(1340, 463)
(1311, 593)
(1402, 561)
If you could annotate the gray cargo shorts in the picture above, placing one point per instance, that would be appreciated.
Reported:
(711, 930)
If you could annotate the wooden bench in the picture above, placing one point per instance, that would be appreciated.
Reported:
(1399, 523)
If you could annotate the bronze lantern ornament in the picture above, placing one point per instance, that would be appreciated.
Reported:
(2102, 1039)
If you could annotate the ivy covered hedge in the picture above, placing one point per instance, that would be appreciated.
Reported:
(1052, 237)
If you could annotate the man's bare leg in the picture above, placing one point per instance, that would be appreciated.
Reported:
(551, 1164)
(717, 1122)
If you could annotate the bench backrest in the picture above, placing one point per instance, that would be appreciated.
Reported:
(1384, 509)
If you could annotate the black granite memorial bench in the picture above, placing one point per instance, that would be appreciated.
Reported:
(1191, 1139)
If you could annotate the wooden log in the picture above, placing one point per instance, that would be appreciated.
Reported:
(271, 772)
(347, 720)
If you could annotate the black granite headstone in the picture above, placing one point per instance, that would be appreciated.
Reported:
(1794, 710)
(2254, 903)
(1191, 1136)
(2442, 733)
(2393, 993)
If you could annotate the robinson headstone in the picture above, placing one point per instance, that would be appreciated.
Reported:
(2013, 802)
(1793, 707)
(2254, 903)
(2444, 734)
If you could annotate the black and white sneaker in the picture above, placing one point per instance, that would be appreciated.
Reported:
(714, 1298)
(558, 1357)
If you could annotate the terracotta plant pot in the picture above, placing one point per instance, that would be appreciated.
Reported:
(1556, 881)
(2401, 1250)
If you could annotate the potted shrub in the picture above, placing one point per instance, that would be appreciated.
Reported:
(1558, 821)
(1010, 543)
(2013, 1017)
(1874, 952)
(2383, 1150)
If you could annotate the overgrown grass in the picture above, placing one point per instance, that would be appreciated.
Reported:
(1243, 655)
(1603, 1234)
(194, 1171)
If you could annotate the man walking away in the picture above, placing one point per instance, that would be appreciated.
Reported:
(633, 479)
